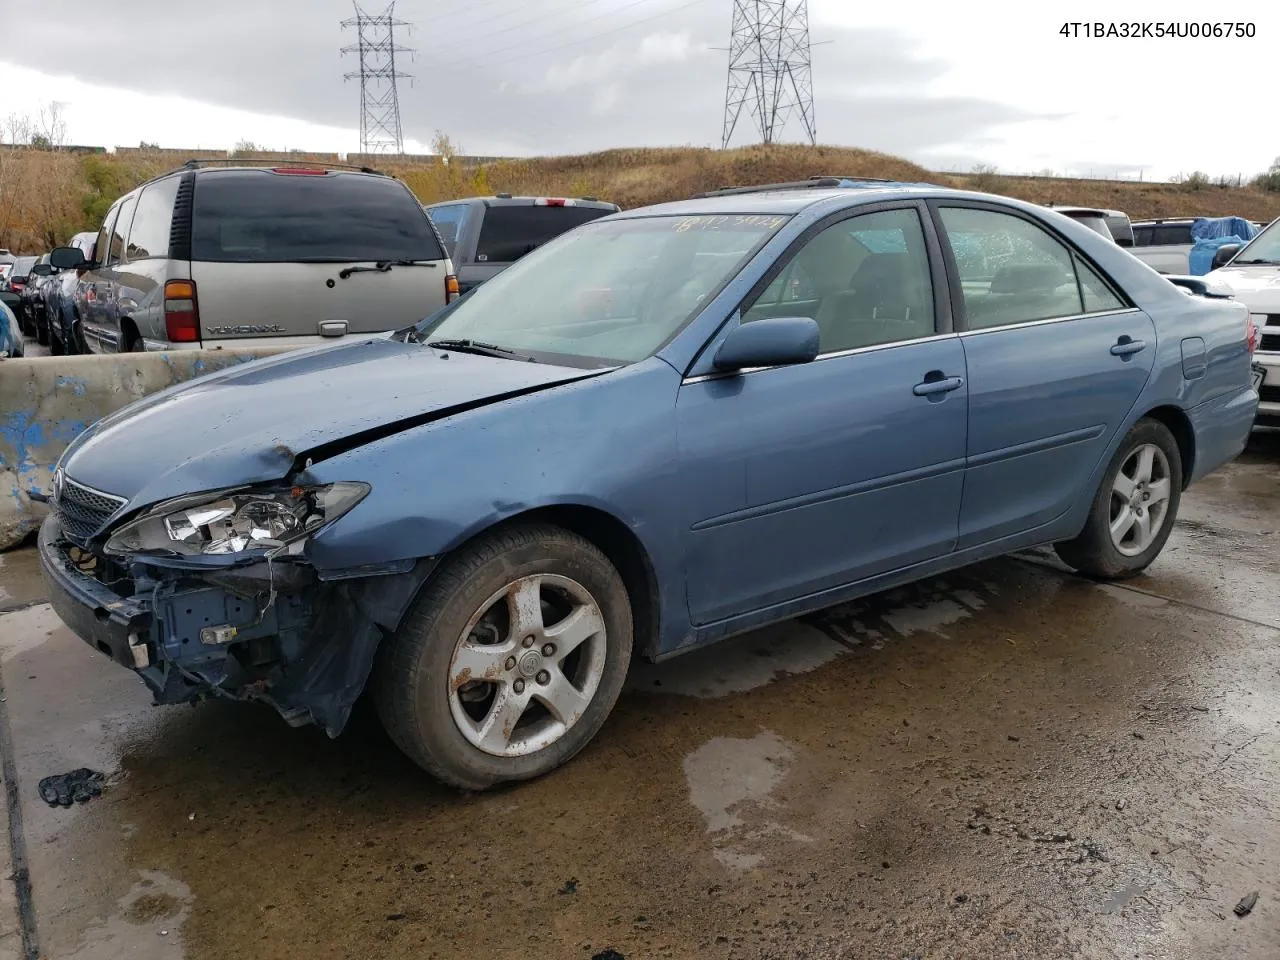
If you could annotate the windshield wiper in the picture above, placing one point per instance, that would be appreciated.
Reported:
(1256, 262)
(383, 266)
(478, 347)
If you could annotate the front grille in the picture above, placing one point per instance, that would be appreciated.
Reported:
(1269, 393)
(81, 510)
(1270, 342)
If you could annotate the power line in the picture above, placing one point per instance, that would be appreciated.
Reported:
(380, 130)
(770, 68)
(450, 67)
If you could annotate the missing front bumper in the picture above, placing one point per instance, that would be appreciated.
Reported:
(278, 635)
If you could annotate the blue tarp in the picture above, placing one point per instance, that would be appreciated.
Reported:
(1216, 228)
(1210, 233)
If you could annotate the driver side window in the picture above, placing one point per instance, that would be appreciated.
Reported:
(865, 281)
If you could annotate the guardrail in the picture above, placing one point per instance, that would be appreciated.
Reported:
(45, 404)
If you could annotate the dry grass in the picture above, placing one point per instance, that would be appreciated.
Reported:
(47, 196)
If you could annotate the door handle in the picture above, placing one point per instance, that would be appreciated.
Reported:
(1127, 347)
(933, 388)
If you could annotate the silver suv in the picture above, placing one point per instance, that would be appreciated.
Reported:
(219, 256)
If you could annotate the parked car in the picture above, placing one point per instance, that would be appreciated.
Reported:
(659, 429)
(60, 303)
(1091, 217)
(282, 255)
(16, 282)
(11, 339)
(485, 235)
(33, 298)
(1252, 272)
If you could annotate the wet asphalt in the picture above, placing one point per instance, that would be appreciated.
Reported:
(1009, 761)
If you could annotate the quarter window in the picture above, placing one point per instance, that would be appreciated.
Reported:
(865, 281)
(149, 235)
(116, 247)
(1171, 234)
(100, 244)
(1098, 297)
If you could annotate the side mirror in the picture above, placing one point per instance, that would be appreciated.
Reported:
(1224, 253)
(771, 342)
(41, 270)
(67, 258)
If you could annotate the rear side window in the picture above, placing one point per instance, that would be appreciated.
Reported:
(508, 232)
(149, 235)
(1168, 234)
(1142, 236)
(257, 216)
(448, 220)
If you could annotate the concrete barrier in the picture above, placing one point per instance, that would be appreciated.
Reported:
(46, 402)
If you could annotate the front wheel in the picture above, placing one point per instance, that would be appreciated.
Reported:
(1134, 509)
(510, 660)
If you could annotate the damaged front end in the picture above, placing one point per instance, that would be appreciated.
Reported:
(214, 596)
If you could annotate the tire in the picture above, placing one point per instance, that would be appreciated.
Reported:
(42, 329)
(56, 347)
(439, 717)
(1096, 552)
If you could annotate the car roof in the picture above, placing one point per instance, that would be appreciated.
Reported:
(1067, 211)
(793, 201)
(1176, 221)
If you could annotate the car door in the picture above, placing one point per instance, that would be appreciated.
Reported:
(87, 291)
(1055, 358)
(816, 475)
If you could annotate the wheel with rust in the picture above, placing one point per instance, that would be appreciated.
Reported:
(510, 659)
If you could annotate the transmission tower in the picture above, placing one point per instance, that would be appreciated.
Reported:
(379, 100)
(770, 68)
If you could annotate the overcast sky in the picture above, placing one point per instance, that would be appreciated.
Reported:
(946, 84)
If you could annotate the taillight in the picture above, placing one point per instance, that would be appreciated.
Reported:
(450, 288)
(181, 317)
(1251, 334)
(16, 286)
(552, 202)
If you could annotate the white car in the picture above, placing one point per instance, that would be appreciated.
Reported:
(1253, 275)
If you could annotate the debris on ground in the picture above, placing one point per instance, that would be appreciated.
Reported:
(1246, 904)
(570, 886)
(64, 789)
(609, 954)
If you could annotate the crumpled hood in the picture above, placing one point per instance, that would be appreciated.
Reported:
(1258, 287)
(248, 423)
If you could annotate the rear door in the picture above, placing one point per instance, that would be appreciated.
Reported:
(1055, 359)
(292, 256)
(103, 324)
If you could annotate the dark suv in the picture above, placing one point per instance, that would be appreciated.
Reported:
(485, 235)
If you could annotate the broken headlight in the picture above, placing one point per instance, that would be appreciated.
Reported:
(262, 522)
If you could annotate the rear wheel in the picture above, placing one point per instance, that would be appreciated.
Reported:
(510, 660)
(42, 326)
(1134, 509)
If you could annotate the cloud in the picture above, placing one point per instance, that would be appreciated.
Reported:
(604, 99)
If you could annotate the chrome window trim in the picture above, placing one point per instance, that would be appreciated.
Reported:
(873, 348)
(898, 343)
(1048, 320)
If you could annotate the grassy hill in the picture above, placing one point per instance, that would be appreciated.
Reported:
(46, 196)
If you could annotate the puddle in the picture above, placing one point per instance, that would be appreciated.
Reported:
(740, 664)
(24, 630)
(146, 926)
(730, 782)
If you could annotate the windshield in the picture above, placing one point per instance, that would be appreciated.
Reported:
(1265, 247)
(609, 292)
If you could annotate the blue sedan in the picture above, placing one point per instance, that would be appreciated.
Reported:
(665, 427)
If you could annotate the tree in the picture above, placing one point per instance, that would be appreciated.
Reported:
(1269, 181)
(244, 147)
